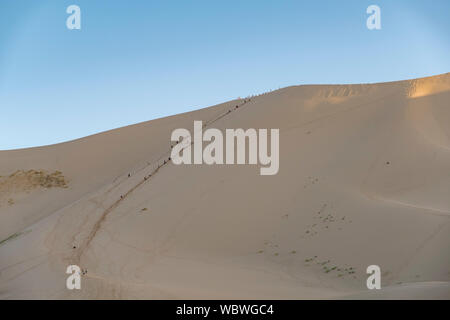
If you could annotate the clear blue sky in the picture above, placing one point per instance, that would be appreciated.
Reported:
(138, 60)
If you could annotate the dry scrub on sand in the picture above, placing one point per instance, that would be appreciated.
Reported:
(23, 181)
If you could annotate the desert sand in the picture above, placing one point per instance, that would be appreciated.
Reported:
(364, 179)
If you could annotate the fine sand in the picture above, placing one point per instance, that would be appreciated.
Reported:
(364, 179)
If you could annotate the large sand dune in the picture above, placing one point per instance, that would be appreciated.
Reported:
(364, 179)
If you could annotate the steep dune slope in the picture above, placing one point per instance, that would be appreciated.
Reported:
(364, 179)
(89, 163)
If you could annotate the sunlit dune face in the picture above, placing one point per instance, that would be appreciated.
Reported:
(426, 87)
(421, 91)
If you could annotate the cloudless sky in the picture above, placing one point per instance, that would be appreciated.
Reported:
(136, 60)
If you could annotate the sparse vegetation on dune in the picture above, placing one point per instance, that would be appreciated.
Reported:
(24, 181)
(327, 267)
(27, 180)
(15, 235)
(11, 237)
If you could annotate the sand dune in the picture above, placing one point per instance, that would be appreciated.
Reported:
(364, 179)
